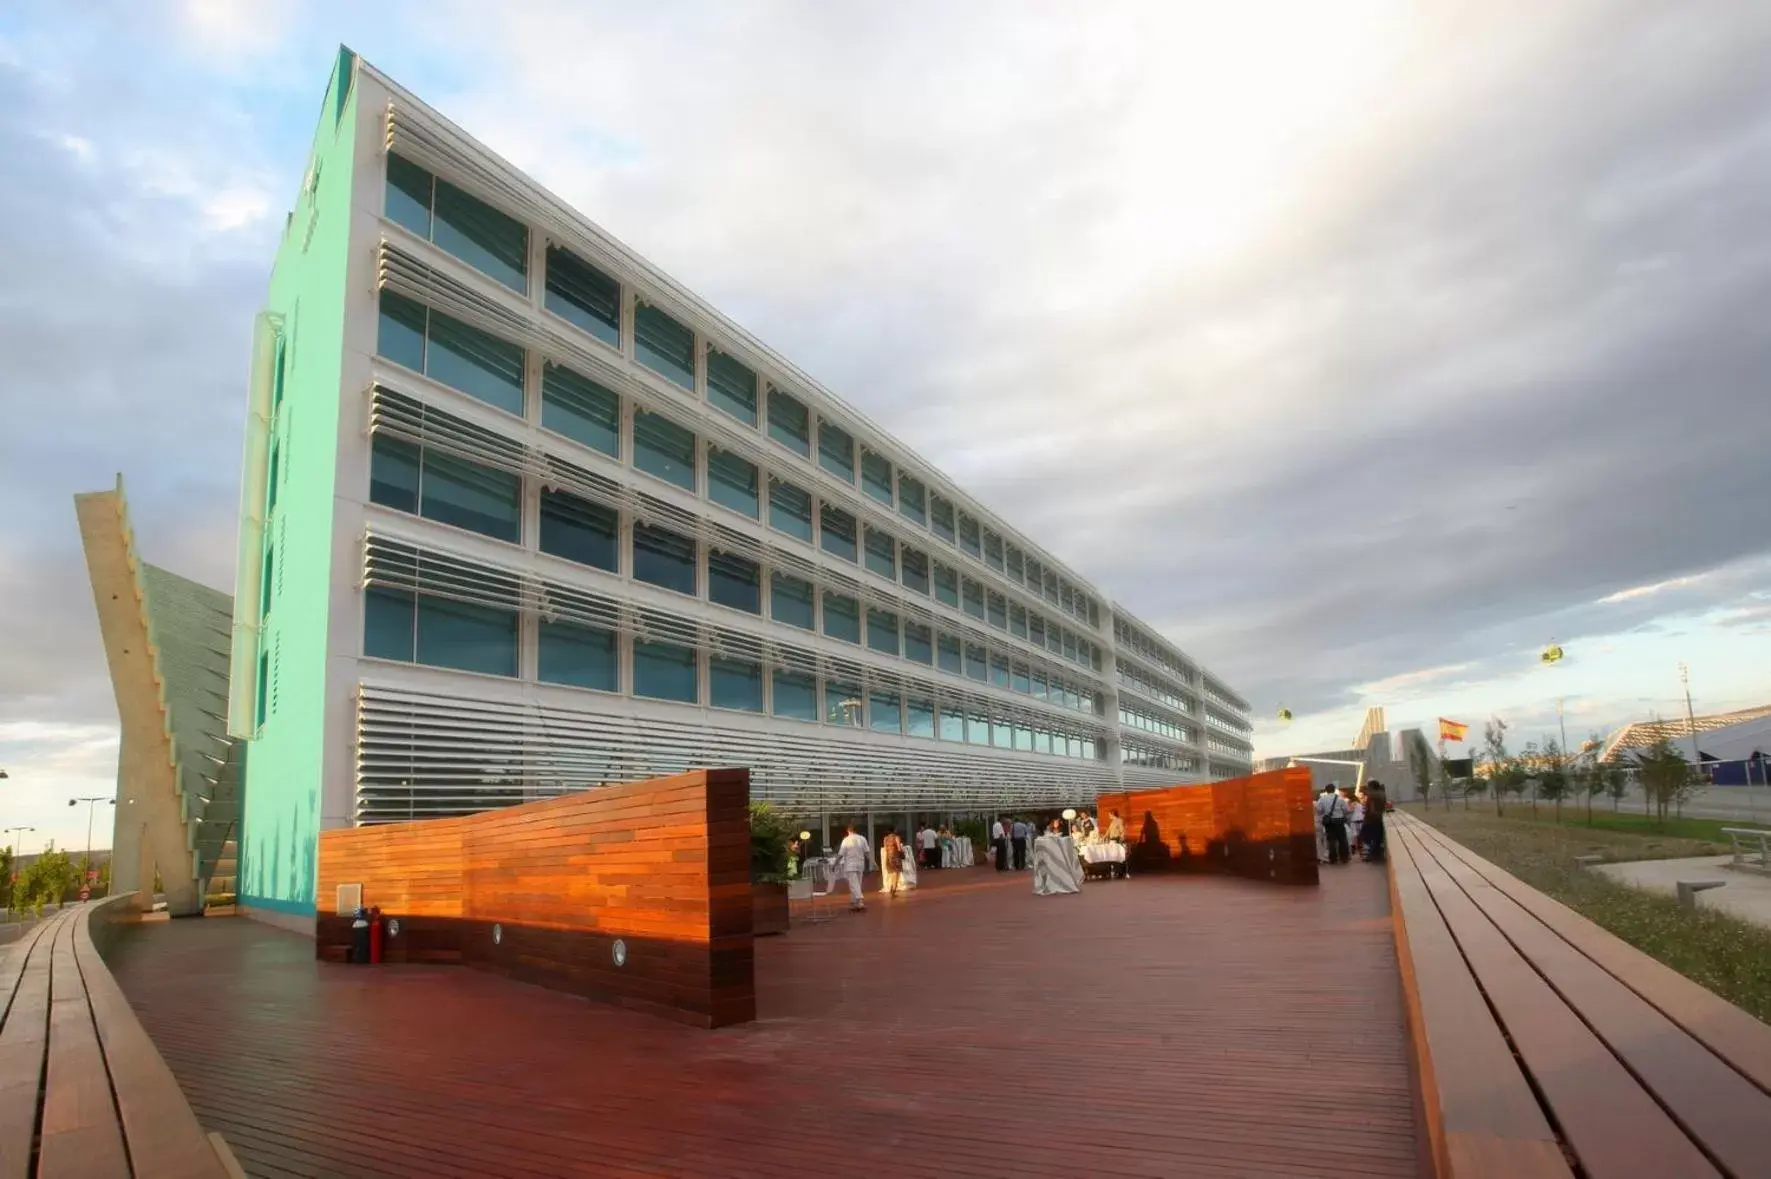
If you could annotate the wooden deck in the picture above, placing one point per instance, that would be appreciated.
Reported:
(1151, 1027)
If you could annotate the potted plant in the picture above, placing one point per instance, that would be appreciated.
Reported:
(770, 833)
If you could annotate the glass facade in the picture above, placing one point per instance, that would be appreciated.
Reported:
(1001, 602)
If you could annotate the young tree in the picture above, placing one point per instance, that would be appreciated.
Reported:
(1529, 762)
(1667, 778)
(6, 900)
(1583, 772)
(1615, 781)
(1553, 774)
(50, 880)
(1498, 760)
(1421, 762)
(1474, 785)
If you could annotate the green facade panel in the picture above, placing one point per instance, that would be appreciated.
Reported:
(280, 827)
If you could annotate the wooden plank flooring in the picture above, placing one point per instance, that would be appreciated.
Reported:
(1152, 1027)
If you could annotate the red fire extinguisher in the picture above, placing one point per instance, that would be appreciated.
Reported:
(375, 930)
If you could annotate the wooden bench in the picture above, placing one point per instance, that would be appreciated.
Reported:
(1545, 1044)
(1752, 848)
(83, 1091)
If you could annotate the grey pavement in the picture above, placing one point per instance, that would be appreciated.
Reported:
(1746, 895)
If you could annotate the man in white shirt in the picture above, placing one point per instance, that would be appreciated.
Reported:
(999, 844)
(930, 843)
(852, 856)
(1335, 812)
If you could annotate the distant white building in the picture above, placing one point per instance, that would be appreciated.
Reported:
(1376, 755)
(1733, 745)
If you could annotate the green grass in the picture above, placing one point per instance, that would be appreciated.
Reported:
(1605, 819)
(1720, 952)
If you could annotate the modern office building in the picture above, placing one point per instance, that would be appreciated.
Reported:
(521, 514)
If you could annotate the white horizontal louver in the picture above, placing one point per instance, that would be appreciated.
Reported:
(403, 565)
(424, 754)
(404, 414)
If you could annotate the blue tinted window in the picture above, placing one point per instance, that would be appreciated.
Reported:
(663, 448)
(665, 671)
(882, 631)
(999, 671)
(580, 530)
(408, 195)
(946, 584)
(475, 362)
(790, 601)
(974, 598)
(467, 637)
(976, 663)
(968, 535)
(882, 554)
(388, 624)
(941, 518)
(393, 474)
(580, 409)
(919, 718)
(842, 617)
(876, 477)
(735, 582)
(998, 611)
(581, 294)
(915, 570)
(918, 644)
(790, 423)
(582, 656)
(977, 729)
(732, 482)
(842, 704)
(836, 532)
(400, 336)
(481, 236)
(796, 695)
(446, 489)
(883, 715)
(911, 502)
(735, 683)
(949, 655)
(731, 387)
(664, 345)
(662, 558)
(790, 509)
(952, 727)
(836, 451)
(467, 495)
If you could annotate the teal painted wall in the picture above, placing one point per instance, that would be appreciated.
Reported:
(281, 822)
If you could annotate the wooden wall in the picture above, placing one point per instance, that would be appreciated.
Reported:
(663, 866)
(1262, 827)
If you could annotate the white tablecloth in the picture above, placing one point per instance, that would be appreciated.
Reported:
(1055, 866)
(1102, 853)
(956, 852)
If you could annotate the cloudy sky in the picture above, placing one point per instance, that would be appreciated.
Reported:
(1363, 348)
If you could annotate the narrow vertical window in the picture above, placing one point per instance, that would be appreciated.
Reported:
(731, 387)
(836, 451)
(912, 503)
(664, 345)
(584, 296)
(876, 477)
(790, 423)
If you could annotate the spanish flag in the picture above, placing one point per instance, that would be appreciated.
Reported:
(1450, 730)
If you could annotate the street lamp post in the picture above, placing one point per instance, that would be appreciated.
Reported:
(91, 806)
(11, 845)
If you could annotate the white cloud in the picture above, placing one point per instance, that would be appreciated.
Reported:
(233, 28)
(1635, 593)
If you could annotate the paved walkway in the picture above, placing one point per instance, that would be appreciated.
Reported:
(1747, 895)
(1153, 1027)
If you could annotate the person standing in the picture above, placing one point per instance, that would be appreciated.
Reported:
(929, 842)
(1334, 810)
(852, 855)
(1376, 803)
(1019, 832)
(1357, 823)
(1115, 828)
(1321, 831)
(999, 844)
(891, 863)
